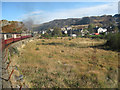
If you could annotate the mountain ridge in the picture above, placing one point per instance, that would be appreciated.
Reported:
(104, 21)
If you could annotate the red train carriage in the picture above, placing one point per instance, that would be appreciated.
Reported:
(17, 37)
(23, 36)
(8, 38)
(28, 35)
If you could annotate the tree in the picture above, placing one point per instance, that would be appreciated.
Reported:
(119, 22)
(115, 28)
(113, 41)
(56, 32)
(91, 28)
(14, 30)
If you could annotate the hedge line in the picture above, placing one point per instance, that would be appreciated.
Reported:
(113, 41)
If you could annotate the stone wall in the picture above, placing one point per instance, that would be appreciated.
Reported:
(17, 78)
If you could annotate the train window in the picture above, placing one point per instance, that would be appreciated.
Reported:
(23, 34)
(18, 35)
(9, 35)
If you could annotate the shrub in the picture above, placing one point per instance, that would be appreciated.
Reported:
(46, 35)
(70, 39)
(65, 35)
(14, 50)
(43, 40)
(37, 48)
(113, 41)
(56, 32)
(96, 36)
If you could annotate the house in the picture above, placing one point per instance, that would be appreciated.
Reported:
(84, 32)
(73, 35)
(69, 28)
(35, 32)
(43, 32)
(65, 31)
(66, 28)
(101, 30)
(51, 30)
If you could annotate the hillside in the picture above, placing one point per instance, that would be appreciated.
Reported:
(12, 26)
(105, 20)
(58, 23)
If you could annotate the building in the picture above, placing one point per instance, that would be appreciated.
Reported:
(101, 30)
(51, 30)
(66, 28)
(43, 32)
(65, 32)
(73, 35)
(35, 32)
(83, 32)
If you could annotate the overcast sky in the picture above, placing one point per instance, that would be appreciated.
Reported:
(41, 12)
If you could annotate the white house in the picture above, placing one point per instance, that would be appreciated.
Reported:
(51, 30)
(73, 35)
(65, 31)
(101, 30)
(82, 31)
(35, 32)
(69, 28)
(43, 32)
(66, 28)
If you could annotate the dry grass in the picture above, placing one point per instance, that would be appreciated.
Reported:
(65, 62)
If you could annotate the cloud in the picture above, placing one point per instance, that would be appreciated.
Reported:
(36, 12)
(31, 14)
(43, 16)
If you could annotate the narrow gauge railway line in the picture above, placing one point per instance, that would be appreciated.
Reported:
(8, 38)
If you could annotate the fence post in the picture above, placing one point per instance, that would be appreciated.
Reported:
(8, 64)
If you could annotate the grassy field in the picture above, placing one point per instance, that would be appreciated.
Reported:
(67, 62)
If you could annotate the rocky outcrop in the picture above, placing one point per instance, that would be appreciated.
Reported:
(12, 26)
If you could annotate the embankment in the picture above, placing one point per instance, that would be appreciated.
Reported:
(16, 78)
